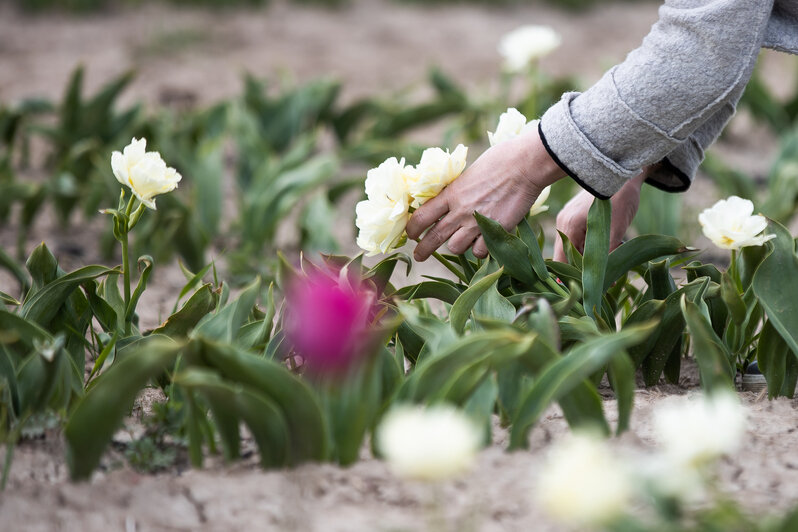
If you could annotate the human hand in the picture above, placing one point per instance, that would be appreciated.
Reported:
(502, 184)
(572, 219)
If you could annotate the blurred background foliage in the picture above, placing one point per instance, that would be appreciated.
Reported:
(93, 5)
(278, 152)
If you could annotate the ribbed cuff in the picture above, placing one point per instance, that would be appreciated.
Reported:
(576, 155)
(565, 168)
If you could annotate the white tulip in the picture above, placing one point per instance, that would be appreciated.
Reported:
(436, 170)
(511, 124)
(731, 224)
(383, 217)
(381, 222)
(523, 45)
(583, 484)
(539, 205)
(432, 443)
(388, 180)
(144, 172)
(693, 432)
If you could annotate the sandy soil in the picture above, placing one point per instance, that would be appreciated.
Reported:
(496, 495)
(373, 46)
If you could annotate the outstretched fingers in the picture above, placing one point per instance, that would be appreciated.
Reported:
(480, 248)
(426, 215)
(462, 239)
(433, 239)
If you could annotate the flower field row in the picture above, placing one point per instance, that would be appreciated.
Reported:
(321, 357)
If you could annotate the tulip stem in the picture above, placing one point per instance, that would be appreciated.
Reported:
(449, 266)
(126, 260)
(734, 271)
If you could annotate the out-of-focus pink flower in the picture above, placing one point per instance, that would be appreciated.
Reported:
(327, 322)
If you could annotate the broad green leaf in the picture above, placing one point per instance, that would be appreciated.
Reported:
(45, 303)
(381, 272)
(306, 424)
(225, 323)
(429, 289)
(734, 302)
(145, 269)
(461, 309)
(772, 353)
(638, 251)
(509, 250)
(15, 328)
(543, 320)
(180, 324)
(353, 405)
(436, 374)
(193, 280)
(775, 284)
(561, 377)
(660, 280)
(714, 362)
(261, 415)
(42, 265)
(98, 415)
(535, 254)
(597, 248)
(621, 373)
(481, 405)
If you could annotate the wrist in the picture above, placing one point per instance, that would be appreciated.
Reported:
(540, 168)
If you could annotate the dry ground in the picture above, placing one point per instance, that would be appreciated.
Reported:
(373, 46)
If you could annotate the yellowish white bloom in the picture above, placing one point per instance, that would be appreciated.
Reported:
(382, 218)
(428, 443)
(511, 124)
(388, 180)
(693, 432)
(436, 170)
(145, 173)
(731, 224)
(539, 206)
(583, 484)
(381, 223)
(525, 44)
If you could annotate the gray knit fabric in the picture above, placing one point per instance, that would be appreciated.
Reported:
(670, 99)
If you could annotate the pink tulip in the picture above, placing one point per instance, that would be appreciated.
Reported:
(327, 321)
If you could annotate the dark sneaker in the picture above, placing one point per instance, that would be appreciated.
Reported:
(753, 380)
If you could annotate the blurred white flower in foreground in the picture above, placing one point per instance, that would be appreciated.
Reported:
(583, 484)
(526, 44)
(144, 172)
(694, 432)
(382, 218)
(511, 124)
(432, 443)
(731, 224)
(436, 170)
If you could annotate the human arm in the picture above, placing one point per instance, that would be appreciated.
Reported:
(678, 88)
(502, 184)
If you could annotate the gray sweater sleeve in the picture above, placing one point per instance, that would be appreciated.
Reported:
(666, 102)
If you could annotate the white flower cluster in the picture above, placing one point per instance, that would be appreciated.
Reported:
(584, 484)
(524, 45)
(394, 187)
(428, 443)
(732, 224)
(144, 172)
(513, 123)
